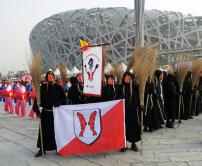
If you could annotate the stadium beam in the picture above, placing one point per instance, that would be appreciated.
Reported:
(139, 19)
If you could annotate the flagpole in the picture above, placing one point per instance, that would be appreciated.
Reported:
(96, 45)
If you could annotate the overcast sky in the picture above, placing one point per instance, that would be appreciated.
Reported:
(18, 17)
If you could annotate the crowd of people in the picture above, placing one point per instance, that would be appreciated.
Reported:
(161, 102)
(16, 95)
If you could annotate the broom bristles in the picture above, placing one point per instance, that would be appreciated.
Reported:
(116, 72)
(182, 69)
(196, 68)
(144, 63)
(63, 72)
(35, 70)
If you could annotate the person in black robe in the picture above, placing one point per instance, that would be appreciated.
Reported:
(170, 99)
(109, 90)
(199, 95)
(158, 113)
(129, 91)
(52, 95)
(177, 86)
(75, 94)
(149, 109)
(187, 91)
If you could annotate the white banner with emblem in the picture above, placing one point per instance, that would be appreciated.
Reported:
(92, 70)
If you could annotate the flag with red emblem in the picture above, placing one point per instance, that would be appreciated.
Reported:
(93, 60)
(90, 128)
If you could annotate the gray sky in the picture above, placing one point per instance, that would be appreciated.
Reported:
(18, 17)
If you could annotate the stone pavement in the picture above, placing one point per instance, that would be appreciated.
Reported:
(172, 147)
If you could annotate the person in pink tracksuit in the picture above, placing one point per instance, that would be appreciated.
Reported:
(32, 113)
(21, 97)
(8, 94)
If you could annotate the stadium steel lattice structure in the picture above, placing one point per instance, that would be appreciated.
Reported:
(58, 36)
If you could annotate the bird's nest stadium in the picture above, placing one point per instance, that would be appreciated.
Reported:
(58, 36)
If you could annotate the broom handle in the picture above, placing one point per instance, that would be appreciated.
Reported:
(190, 105)
(41, 137)
(179, 107)
(141, 131)
(152, 103)
(161, 111)
(155, 83)
(195, 106)
(146, 104)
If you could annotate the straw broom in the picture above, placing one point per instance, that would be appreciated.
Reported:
(196, 68)
(182, 70)
(116, 72)
(170, 69)
(63, 73)
(105, 61)
(35, 70)
(132, 60)
(144, 59)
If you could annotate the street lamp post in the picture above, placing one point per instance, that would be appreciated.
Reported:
(139, 19)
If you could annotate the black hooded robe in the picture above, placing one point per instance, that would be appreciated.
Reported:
(51, 94)
(132, 122)
(170, 98)
(149, 109)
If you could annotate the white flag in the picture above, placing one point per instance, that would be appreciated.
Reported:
(90, 128)
(92, 71)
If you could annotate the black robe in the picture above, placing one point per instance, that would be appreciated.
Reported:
(51, 94)
(108, 93)
(149, 109)
(199, 97)
(187, 90)
(132, 122)
(75, 94)
(170, 97)
(158, 113)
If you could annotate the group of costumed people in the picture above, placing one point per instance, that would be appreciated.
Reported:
(16, 95)
(161, 103)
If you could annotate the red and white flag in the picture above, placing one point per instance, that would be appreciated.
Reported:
(90, 128)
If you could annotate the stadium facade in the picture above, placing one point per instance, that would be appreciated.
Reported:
(58, 36)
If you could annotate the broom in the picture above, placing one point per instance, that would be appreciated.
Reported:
(116, 72)
(196, 68)
(182, 69)
(144, 59)
(63, 73)
(35, 70)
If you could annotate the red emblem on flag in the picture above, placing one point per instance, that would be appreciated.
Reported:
(87, 125)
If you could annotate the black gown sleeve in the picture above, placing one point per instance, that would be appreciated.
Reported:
(36, 108)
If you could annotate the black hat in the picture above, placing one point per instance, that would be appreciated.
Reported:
(158, 73)
(109, 76)
(127, 73)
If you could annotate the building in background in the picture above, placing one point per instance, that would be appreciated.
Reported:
(58, 36)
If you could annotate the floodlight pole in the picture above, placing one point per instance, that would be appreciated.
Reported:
(139, 20)
(139, 41)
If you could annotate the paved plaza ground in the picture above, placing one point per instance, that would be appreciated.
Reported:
(166, 147)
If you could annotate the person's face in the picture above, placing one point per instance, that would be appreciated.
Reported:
(110, 81)
(127, 79)
(80, 78)
(51, 77)
(161, 76)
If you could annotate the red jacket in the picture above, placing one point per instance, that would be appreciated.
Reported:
(32, 95)
(21, 93)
